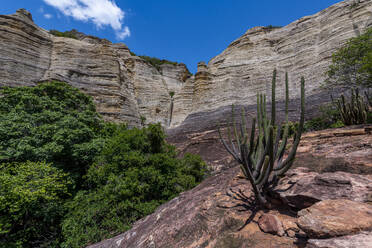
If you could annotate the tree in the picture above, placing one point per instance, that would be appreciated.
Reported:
(31, 204)
(135, 173)
(352, 64)
(51, 122)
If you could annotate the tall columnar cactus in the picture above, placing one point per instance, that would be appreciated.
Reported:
(354, 112)
(262, 156)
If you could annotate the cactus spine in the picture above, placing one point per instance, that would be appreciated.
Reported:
(354, 112)
(262, 157)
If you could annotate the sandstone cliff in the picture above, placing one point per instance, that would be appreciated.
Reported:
(124, 87)
(302, 48)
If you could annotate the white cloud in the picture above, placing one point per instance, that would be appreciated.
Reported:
(48, 16)
(123, 34)
(100, 12)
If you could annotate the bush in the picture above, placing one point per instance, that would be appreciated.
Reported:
(67, 34)
(352, 64)
(31, 204)
(135, 173)
(157, 62)
(51, 122)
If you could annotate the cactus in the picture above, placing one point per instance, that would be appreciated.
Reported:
(262, 157)
(354, 112)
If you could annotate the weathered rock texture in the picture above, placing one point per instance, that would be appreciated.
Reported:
(294, 188)
(363, 239)
(220, 212)
(126, 87)
(333, 218)
(302, 48)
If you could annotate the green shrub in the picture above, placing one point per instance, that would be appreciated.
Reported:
(31, 204)
(51, 122)
(67, 34)
(157, 62)
(352, 64)
(135, 173)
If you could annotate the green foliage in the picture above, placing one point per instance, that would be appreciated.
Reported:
(131, 172)
(157, 62)
(171, 94)
(135, 173)
(355, 111)
(261, 158)
(68, 34)
(31, 204)
(272, 27)
(352, 64)
(143, 120)
(51, 122)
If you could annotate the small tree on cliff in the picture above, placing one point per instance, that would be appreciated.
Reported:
(352, 64)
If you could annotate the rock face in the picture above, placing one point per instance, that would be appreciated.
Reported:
(363, 239)
(333, 218)
(126, 87)
(220, 212)
(302, 48)
(301, 188)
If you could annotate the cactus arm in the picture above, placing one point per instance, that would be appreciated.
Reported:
(228, 149)
(264, 170)
(273, 107)
(229, 135)
(277, 139)
(283, 167)
(271, 158)
(234, 125)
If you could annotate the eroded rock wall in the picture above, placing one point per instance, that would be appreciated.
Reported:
(124, 87)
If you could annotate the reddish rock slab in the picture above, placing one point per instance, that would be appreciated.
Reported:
(215, 214)
(301, 188)
(361, 240)
(270, 223)
(332, 218)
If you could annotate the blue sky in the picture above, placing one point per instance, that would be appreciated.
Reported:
(185, 31)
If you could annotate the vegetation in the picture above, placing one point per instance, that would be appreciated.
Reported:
(261, 158)
(68, 34)
(352, 64)
(354, 112)
(68, 178)
(157, 62)
(51, 122)
(272, 27)
(31, 204)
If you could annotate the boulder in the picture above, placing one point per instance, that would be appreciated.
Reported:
(333, 218)
(271, 224)
(301, 188)
(361, 240)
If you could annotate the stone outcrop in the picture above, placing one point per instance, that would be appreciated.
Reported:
(123, 86)
(126, 87)
(333, 218)
(302, 48)
(363, 239)
(220, 212)
(301, 188)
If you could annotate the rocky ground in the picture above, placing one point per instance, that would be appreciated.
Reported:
(324, 201)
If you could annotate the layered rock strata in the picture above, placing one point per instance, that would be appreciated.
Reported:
(124, 87)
